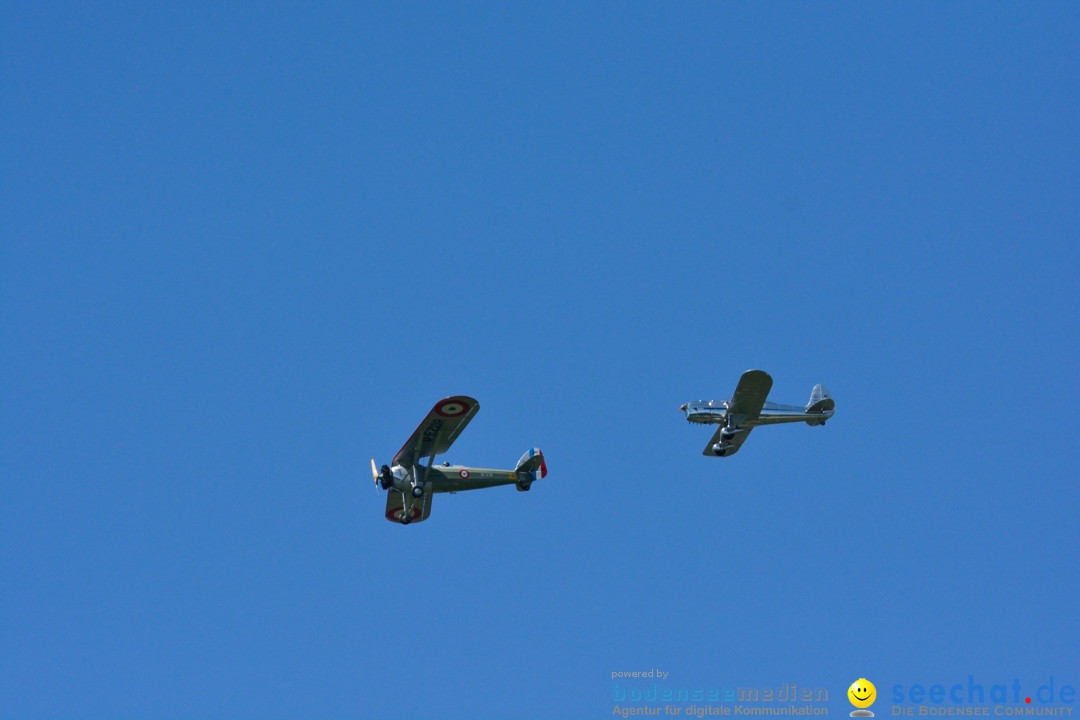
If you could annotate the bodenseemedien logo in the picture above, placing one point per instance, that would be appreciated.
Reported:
(862, 694)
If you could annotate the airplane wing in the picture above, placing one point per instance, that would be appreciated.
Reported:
(749, 397)
(438, 430)
(742, 414)
(728, 446)
(400, 505)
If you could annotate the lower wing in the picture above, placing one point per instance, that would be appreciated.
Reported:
(402, 507)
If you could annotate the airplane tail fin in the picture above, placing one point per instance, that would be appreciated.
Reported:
(821, 404)
(529, 468)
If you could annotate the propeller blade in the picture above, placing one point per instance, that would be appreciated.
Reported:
(375, 475)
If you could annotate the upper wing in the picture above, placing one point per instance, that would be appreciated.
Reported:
(439, 429)
(742, 414)
(749, 398)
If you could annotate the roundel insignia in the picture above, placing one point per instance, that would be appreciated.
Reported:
(464, 474)
(396, 514)
(452, 408)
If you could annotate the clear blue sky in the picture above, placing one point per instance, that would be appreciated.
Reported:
(245, 247)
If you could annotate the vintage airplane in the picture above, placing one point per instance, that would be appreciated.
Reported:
(410, 484)
(747, 409)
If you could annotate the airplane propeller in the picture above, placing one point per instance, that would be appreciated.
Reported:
(375, 475)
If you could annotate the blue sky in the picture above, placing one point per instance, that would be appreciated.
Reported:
(245, 248)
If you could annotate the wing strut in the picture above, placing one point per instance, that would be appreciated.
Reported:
(427, 471)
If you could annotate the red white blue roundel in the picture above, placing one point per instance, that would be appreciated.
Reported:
(464, 474)
(452, 407)
(397, 513)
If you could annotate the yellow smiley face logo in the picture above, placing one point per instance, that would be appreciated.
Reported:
(862, 693)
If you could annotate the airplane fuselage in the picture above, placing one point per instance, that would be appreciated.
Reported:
(716, 413)
(455, 478)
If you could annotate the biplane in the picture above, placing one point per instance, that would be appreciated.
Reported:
(410, 484)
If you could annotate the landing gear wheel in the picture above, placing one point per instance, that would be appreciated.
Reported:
(418, 491)
(406, 519)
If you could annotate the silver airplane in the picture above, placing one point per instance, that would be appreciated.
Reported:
(747, 409)
(410, 485)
